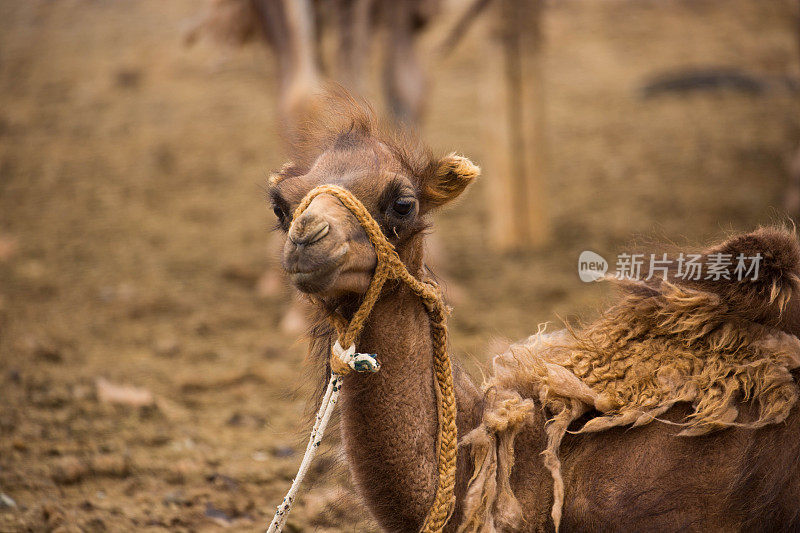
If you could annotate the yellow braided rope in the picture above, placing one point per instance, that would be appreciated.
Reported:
(391, 267)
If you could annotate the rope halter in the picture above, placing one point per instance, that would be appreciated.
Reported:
(344, 360)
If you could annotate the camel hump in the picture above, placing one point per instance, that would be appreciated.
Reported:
(755, 275)
(771, 295)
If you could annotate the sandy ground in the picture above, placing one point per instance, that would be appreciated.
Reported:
(134, 231)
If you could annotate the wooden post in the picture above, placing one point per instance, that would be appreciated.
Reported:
(515, 122)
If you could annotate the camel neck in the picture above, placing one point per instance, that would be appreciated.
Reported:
(389, 419)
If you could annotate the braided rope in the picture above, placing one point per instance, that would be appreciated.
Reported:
(390, 266)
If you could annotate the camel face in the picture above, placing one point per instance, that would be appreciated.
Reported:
(327, 252)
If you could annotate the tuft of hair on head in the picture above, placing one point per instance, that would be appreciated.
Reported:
(332, 114)
(339, 121)
(336, 119)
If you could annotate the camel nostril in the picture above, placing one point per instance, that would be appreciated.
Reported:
(308, 234)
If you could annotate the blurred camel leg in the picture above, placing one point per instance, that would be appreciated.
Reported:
(404, 79)
(289, 26)
(354, 25)
(515, 125)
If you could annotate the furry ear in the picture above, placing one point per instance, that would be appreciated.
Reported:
(451, 176)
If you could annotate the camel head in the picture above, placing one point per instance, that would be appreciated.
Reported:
(326, 251)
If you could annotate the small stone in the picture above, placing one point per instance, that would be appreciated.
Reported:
(43, 349)
(167, 347)
(260, 457)
(222, 481)
(217, 515)
(68, 470)
(32, 270)
(108, 392)
(176, 498)
(236, 419)
(239, 419)
(283, 451)
(52, 514)
(6, 501)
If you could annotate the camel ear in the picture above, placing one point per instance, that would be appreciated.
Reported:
(452, 175)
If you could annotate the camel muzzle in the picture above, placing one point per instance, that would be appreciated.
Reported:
(315, 250)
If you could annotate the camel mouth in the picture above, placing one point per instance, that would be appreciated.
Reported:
(314, 275)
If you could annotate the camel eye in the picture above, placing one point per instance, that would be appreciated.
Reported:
(404, 206)
(279, 206)
(281, 212)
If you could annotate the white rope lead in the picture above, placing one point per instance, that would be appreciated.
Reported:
(359, 362)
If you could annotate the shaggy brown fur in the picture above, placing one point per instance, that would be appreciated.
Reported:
(348, 124)
(715, 345)
(713, 360)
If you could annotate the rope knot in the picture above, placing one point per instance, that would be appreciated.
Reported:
(343, 361)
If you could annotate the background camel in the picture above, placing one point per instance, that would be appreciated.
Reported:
(294, 31)
(644, 479)
(512, 54)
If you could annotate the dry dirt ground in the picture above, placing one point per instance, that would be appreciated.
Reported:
(134, 230)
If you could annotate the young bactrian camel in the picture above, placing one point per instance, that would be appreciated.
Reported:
(720, 355)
